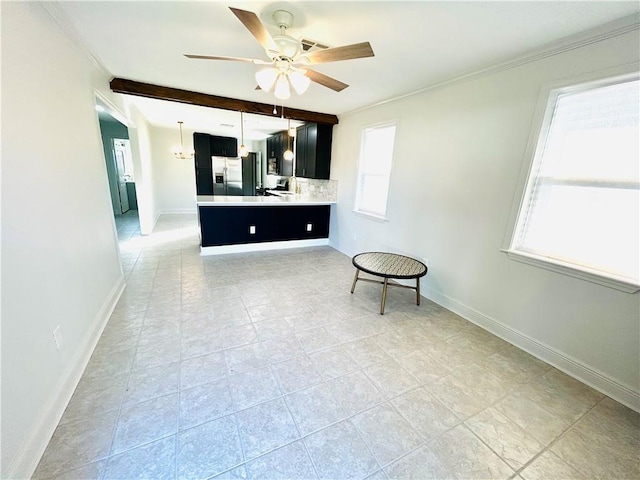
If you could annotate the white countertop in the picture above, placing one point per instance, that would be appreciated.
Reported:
(227, 201)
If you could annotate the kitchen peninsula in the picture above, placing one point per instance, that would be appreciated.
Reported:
(239, 224)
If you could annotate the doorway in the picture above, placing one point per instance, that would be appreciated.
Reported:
(120, 176)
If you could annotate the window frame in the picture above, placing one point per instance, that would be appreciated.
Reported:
(356, 208)
(545, 108)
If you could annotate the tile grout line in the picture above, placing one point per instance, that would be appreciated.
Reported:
(559, 437)
(110, 453)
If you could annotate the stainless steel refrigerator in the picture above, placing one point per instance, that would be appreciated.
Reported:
(234, 176)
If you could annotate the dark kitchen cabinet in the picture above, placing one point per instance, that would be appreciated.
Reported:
(237, 225)
(203, 165)
(277, 144)
(313, 150)
(223, 146)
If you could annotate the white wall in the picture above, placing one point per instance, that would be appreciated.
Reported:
(459, 153)
(143, 169)
(174, 180)
(60, 262)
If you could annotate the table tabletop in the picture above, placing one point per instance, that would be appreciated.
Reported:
(390, 265)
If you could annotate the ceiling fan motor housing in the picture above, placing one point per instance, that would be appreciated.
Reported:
(288, 47)
(283, 18)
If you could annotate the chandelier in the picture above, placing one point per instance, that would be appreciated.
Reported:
(179, 152)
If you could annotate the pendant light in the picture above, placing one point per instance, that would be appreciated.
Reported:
(244, 151)
(179, 152)
(288, 154)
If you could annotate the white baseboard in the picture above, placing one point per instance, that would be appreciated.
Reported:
(178, 211)
(602, 382)
(259, 247)
(26, 461)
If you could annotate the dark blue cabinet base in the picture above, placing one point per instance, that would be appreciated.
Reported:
(240, 225)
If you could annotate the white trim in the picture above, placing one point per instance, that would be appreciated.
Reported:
(541, 123)
(153, 224)
(178, 211)
(572, 270)
(370, 216)
(113, 110)
(536, 127)
(62, 20)
(31, 451)
(394, 122)
(610, 30)
(260, 247)
(625, 394)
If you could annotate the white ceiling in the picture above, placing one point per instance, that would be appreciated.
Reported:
(416, 44)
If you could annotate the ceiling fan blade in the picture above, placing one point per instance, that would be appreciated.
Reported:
(326, 81)
(348, 52)
(255, 26)
(233, 59)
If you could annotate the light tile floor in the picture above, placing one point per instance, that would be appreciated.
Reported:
(263, 365)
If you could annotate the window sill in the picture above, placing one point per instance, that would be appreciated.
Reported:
(370, 216)
(611, 281)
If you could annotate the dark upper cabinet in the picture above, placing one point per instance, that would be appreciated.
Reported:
(205, 147)
(277, 144)
(223, 146)
(313, 150)
(201, 145)
(203, 166)
(271, 150)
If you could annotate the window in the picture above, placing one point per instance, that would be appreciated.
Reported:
(581, 207)
(374, 174)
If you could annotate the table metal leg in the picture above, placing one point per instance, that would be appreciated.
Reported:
(355, 279)
(384, 295)
(418, 291)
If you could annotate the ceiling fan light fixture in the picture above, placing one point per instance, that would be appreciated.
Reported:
(282, 90)
(287, 46)
(299, 81)
(266, 78)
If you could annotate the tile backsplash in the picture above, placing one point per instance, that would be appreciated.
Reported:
(320, 189)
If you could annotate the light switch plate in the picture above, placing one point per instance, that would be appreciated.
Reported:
(252, 229)
(309, 227)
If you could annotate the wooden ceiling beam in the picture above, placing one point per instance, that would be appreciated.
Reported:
(131, 87)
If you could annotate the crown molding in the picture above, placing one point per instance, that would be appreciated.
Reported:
(56, 12)
(612, 29)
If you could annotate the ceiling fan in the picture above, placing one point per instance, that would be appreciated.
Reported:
(288, 61)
